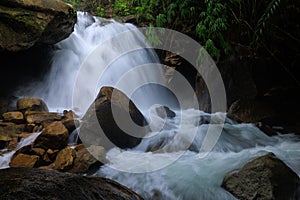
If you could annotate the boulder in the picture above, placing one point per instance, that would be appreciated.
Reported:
(27, 23)
(31, 104)
(54, 136)
(8, 128)
(265, 177)
(250, 110)
(64, 159)
(44, 118)
(33, 183)
(88, 160)
(275, 111)
(100, 128)
(15, 117)
(24, 160)
(70, 120)
(165, 112)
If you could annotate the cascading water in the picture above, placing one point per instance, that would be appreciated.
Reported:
(58, 87)
(5, 159)
(186, 175)
(189, 176)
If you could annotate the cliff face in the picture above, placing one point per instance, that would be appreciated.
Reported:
(25, 23)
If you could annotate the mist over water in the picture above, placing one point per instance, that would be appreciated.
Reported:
(175, 170)
(90, 32)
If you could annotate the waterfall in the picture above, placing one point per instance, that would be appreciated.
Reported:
(173, 172)
(57, 89)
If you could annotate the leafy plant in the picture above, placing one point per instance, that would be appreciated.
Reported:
(212, 24)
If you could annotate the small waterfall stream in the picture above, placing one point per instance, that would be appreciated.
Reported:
(5, 159)
(185, 174)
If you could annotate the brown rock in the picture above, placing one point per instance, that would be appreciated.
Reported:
(13, 144)
(71, 124)
(5, 138)
(44, 118)
(31, 128)
(38, 151)
(23, 160)
(54, 136)
(70, 120)
(69, 114)
(64, 159)
(31, 104)
(265, 177)
(50, 156)
(9, 128)
(15, 117)
(89, 160)
(79, 147)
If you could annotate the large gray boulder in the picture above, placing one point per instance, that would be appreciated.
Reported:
(265, 177)
(99, 126)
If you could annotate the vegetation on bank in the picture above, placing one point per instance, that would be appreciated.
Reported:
(217, 24)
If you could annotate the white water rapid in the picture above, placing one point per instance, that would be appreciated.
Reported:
(187, 176)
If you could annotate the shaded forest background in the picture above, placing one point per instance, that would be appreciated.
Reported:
(255, 44)
(254, 29)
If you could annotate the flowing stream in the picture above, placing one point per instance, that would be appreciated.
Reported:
(174, 172)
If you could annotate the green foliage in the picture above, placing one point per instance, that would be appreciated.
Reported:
(184, 16)
(123, 8)
(100, 11)
(213, 22)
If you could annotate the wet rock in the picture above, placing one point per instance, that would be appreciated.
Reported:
(250, 110)
(8, 128)
(265, 177)
(44, 118)
(31, 104)
(69, 120)
(50, 156)
(88, 160)
(24, 160)
(54, 136)
(165, 112)
(33, 183)
(38, 151)
(100, 114)
(14, 117)
(13, 144)
(64, 159)
(28, 23)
